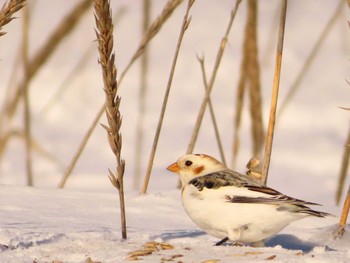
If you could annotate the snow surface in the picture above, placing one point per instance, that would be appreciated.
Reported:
(45, 224)
(71, 226)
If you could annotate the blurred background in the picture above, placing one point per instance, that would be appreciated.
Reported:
(65, 92)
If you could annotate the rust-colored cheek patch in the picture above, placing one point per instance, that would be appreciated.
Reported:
(199, 169)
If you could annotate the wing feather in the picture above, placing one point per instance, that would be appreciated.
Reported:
(270, 196)
(223, 178)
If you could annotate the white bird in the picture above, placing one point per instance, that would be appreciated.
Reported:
(232, 206)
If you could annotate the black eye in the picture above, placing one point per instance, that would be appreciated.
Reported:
(188, 163)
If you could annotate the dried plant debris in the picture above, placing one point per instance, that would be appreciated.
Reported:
(153, 245)
(166, 246)
(211, 261)
(141, 252)
(248, 253)
(149, 248)
(271, 257)
(89, 260)
(172, 258)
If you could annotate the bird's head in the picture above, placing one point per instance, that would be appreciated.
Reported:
(190, 166)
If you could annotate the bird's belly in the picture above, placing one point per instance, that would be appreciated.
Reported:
(251, 222)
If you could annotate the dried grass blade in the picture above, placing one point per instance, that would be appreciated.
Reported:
(211, 81)
(113, 179)
(184, 26)
(27, 114)
(142, 97)
(238, 113)
(344, 217)
(156, 26)
(250, 79)
(343, 169)
(212, 114)
(81, 147)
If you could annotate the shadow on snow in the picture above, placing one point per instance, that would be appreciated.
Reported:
(286, 241)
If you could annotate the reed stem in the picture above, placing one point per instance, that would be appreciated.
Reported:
(211, 81)
(185, 24)
(274, 97)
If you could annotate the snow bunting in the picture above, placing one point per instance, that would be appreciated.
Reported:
(232, 206)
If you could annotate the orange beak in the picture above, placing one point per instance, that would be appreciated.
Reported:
(173, 168)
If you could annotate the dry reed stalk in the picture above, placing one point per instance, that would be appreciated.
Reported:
(81, 147)
(238, 114)
(142, 96)
(104, 34)
(345, 160)
(6, 16)
(212, 114)
(212, 80)
(65, 27)
(343, 169)
(311, 57)
(250, 76)
(151, 32)
(13, 76)
(345, 163)
(253, 72)
(6, 138)
(185, 23)
(7, 11)
(274, 97)
(27, 118)
(16, 133)
(344, 216)
(155, 27)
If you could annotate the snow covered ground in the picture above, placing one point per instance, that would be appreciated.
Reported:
(45, 224)
(72, 226)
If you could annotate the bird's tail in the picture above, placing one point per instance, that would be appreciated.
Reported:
(307, 210)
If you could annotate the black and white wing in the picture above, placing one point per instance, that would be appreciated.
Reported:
(223, 178)
(238, 188)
